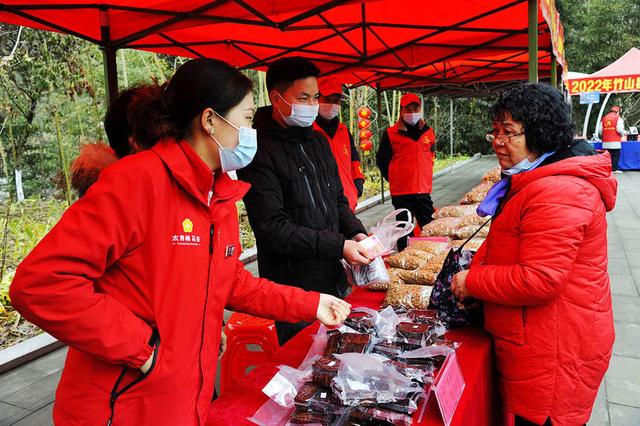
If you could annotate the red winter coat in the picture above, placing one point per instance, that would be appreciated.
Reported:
(143, 251)
(542, 274)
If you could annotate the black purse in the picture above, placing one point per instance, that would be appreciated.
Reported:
(453, 312)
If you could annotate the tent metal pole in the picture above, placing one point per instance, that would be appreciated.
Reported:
(379, 118)
(533, 40)
(109, 58)
(585, 126)
(451, 126)
(554, 71)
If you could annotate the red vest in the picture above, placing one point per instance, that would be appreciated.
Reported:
(411, 167)
(609, 125)
(341, 148)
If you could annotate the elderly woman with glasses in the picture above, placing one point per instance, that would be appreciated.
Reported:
(542, 271)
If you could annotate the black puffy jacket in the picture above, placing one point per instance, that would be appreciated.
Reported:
(296, 207)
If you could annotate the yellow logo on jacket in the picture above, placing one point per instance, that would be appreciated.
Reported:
(426, 140)
(345, 150)
(187, 225)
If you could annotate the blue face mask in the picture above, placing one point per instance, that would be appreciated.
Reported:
(242, 155)
(522, 166)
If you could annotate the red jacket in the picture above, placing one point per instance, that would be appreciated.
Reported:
(542, 274)
(348, 167)
(143, 251)
(411, 167)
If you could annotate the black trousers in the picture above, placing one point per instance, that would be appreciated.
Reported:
(420, 206)
(524, 422)
(615, 158)
(286, 330)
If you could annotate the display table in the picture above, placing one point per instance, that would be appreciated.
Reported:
(478, 405)
(629, 155)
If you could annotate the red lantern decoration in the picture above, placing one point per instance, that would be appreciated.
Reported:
(365, 134)
(363, 123)
(366, 145)
(364, 112)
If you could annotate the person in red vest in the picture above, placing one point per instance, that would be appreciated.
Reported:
(612, 129)
(340, 139)
(405, 158)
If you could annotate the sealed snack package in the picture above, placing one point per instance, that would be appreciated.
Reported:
(347, 342)
(441, 227)
(418, 373)
(406, 260)
(435, 263)
(430, 355)
(377, 416)
(311, 418)
(383, 286)
(312, 397)
(388, 231)
(367, 275)
(421, 276)
(423, 316)
(476, 230)
(284, 386)
(324, 370)
(361, 321)
(409, 296)
(472, 245)
(471, 220)
(433, 247)
(388, 349)
(413, 334)
(492, 175)
(477, 194)
(365, 378)
(455, 211)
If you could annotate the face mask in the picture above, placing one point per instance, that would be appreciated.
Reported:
(302, 115)
(240, 156)
(412, 118)
(329, 111)
(522, 166)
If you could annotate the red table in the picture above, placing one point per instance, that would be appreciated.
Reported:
(478, 405)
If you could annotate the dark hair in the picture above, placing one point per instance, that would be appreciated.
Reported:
(543, 113)
(196, 85)
(283, 72)
(116, 121)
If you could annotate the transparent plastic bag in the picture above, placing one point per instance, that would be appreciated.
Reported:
(441, 227)
(284, 386)
(387, 232)
(365, 378)
(455, 211)
(409, 296)
(367, 275)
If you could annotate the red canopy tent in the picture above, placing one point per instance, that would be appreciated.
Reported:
(621, 76)
(447, 46)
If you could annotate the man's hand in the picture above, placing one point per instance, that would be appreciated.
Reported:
(459, 285)
(354, 253)
(359, 237)
(331, 310)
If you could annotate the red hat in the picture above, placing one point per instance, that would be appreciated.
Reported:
(615, 108)
(329, 86)
(409, 98)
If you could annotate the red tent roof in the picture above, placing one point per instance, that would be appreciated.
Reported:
(627, 64)
(401, 43)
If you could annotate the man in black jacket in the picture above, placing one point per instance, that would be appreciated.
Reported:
(300, 217)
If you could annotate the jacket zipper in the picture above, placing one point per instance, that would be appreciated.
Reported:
(115, 393)
(315, 172)
(303, 171)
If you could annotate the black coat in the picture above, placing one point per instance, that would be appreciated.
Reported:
(296, 207)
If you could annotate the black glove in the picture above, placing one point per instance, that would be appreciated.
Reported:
(359, 183)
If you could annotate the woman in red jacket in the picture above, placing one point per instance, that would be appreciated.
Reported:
(542, 271)
(135, 276)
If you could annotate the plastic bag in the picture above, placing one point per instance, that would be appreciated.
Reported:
(384, 286)
(477, 194)
(320, 399)
(387, 232)
(471, 220)
(472, 245)
(284, 386)
(433, 247)
(406, 260)
(452, 312)
(367, 275)
(365, 378)
(408, 296)
(455, 211)
(492, 175)
(468, 231)
(378, 416)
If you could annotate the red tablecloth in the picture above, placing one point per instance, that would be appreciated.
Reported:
(478, 405)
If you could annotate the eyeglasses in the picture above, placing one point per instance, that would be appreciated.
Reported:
(501, 137)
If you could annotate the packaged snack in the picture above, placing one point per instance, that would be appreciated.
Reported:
(472, 220)
(419, 373)
(445, 226)
(408, 296)
(435, 264)
(422, 316)
(383, 286)
(366, 275)
(387, 233)
(421, 276)
(477, 194)
(371, 416)
(308, 418)
(455, 211)
(473, 244)
(340, 343)
(413, 334)
(467, 231)
(388, 349)
(406, 260)
(362, 322)
(324, 370)
(433, 247)
(492, 175)
(312, 397)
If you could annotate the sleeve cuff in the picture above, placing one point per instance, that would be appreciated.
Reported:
(145, 350)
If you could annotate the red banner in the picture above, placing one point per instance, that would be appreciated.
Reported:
(552, 17)
(625, 83)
